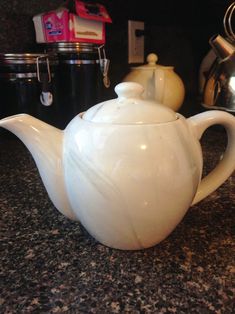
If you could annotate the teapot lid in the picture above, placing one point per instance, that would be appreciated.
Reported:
(129, 108)
(151, 64)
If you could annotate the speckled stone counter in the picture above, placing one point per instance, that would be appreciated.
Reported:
(51, 265)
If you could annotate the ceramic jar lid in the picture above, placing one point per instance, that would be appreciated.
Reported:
(129, 108)
(151, 64)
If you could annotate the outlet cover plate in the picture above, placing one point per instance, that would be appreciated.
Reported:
(135, 43)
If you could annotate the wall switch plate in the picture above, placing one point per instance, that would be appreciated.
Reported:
(135, 42)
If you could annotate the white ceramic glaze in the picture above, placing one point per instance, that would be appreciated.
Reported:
(129, 183)
(129, 108)
(45, 143)
(161, 83)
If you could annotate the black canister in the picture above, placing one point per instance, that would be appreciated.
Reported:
(80, 77)
(26, 86)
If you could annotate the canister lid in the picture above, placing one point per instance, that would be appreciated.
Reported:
(71, 47)
(129, 108)
(22, 58)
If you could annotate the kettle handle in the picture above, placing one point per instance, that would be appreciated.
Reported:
(226, 165)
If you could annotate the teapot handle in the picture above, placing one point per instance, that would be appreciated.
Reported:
(159, 85)
(226, 165)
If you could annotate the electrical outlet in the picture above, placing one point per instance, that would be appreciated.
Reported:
(135, 42)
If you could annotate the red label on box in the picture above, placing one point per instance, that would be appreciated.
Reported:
(87, 25)
(92, 11)
(56, 25)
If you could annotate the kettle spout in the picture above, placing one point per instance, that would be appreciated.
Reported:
(222, 48)
(45, 143)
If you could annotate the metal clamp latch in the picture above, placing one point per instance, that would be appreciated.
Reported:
(104, 66)
(38, 68)
(46, 96)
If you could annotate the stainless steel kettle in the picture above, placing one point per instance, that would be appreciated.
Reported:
(219, 88)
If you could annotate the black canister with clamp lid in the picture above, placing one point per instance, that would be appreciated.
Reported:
(81, 77)
(26, 85)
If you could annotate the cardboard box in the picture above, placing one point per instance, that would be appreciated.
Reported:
(87, 24)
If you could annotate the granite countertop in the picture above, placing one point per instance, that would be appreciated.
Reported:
(51, 265)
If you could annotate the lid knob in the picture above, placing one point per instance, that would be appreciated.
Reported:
(152, 59)
(129, 90)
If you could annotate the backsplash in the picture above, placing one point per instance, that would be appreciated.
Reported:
(178, 32)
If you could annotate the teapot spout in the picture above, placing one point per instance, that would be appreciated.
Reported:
(45, 143)
(222, 48)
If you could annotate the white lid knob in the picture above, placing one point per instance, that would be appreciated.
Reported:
(129, 90)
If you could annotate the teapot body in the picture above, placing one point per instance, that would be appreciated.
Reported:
(144, 78)
(128, 169)
(132, 184)
(161, 83)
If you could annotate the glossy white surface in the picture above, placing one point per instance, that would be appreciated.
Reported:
(129, 108)
(129, 184)
(161, 83)
(45, 143)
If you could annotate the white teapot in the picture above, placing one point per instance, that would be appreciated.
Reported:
(161, 83)
(128, 169)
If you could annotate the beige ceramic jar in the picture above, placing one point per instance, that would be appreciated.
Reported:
(160, 83)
